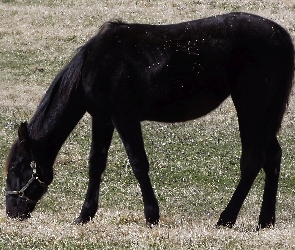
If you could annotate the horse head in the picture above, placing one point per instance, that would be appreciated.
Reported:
(23, 186)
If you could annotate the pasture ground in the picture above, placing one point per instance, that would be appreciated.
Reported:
(194, 166)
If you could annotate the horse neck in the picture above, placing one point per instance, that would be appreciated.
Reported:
(52, 123)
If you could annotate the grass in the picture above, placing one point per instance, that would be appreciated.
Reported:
(194, 166)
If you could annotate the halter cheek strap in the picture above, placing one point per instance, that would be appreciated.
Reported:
(21, 192)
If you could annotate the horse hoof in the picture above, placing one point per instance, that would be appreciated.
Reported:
(81, 220)
(264, 225)
(266, 219)
(151, 223)
(152, 216)
(225, 223)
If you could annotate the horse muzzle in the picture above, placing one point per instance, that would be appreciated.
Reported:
(18, 208)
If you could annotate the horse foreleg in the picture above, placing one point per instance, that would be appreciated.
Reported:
(252, 160)
(272, 171)
(101, 139)
(130, 133)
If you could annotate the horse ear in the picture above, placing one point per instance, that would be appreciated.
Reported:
(23, 133)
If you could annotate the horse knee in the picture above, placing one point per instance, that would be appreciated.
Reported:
(98, 161)
(140, 167)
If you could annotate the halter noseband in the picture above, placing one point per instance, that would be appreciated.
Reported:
(21, 192)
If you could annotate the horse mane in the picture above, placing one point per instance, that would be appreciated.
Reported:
(63, 85)
(67, 80)
(108, 25)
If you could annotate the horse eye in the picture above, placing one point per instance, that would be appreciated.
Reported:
(14, 170)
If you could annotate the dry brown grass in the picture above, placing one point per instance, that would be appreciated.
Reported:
(36, 39)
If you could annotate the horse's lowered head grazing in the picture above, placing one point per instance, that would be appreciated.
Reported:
(24, 187)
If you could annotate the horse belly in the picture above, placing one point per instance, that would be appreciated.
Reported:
(184, 109)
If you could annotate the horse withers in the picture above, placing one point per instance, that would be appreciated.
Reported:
(128, 73)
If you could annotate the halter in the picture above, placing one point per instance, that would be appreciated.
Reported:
(21, 192)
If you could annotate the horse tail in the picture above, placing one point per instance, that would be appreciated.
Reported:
(280, 100)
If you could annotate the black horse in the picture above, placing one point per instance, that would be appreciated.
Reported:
(128, 73)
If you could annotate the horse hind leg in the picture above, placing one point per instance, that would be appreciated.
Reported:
(252, 160)
(259, 125)
(101, 139)
(272, 171)
(250, 110)
(274, 117)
